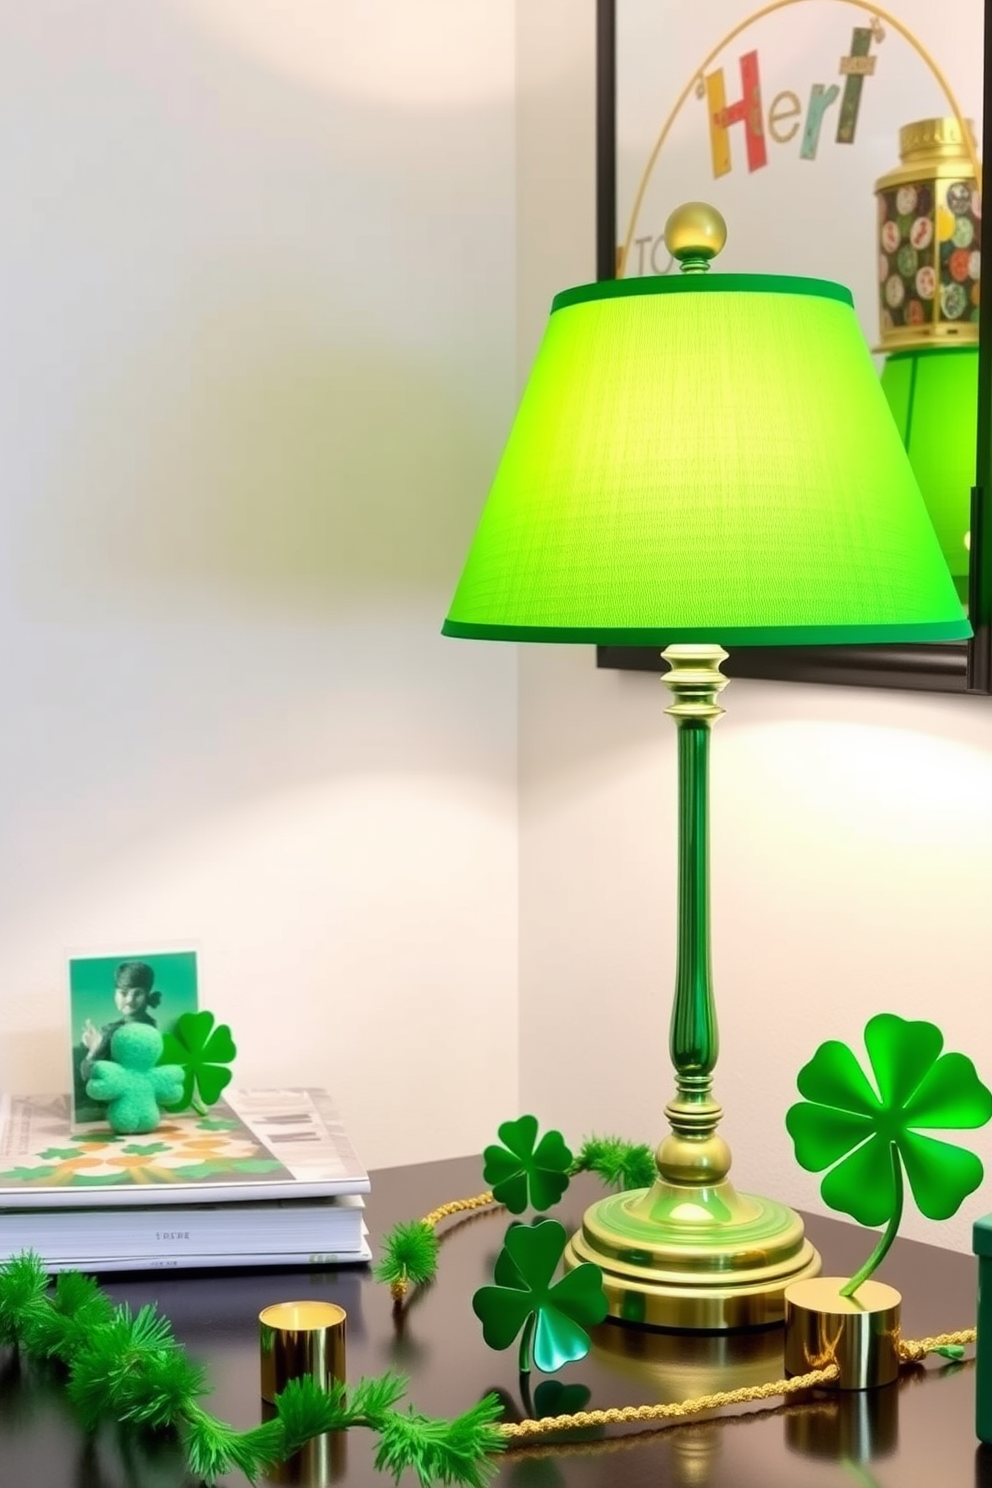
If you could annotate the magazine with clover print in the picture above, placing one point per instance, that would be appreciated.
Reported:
(253, 1145)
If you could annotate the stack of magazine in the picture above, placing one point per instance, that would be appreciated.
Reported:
(266, 1178)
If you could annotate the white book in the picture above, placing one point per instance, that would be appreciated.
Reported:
(252, 1145)
(238, 1260)
(147, 1234)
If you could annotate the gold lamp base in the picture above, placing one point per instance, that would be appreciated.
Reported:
(706, 1260)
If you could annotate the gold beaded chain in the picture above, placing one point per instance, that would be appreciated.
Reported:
(911, 1351)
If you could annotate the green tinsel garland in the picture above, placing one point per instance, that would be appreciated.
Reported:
(129, 1367)
(620, 1164)
(409, 1252)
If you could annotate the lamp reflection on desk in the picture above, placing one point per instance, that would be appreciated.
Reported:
(668, 1367)
(847, 1425)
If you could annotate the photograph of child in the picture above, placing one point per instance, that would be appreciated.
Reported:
(107, 992)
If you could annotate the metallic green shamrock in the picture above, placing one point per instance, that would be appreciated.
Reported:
(868, 1139)
(520, 1172)
(553, 1317)
(203, 1050)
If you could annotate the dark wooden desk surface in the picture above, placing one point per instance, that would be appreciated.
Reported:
(918, 1432)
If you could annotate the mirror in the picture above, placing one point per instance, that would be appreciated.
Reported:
(842, 141)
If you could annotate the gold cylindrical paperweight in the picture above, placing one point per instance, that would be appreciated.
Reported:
(301, 1340)
(859, 1334)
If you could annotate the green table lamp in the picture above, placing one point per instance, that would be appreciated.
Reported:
(698, 460)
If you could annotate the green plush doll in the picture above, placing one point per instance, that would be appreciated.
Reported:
(133, 1082)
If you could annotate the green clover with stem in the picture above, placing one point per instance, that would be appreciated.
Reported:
(553, 1317)
(521, 1171)
(869, 1136)
(203, 1047)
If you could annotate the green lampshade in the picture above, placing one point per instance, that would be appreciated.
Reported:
(705, 458)
(933, 395)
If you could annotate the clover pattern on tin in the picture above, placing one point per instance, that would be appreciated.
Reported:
(929, 244)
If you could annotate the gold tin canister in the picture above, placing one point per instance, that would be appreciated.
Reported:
(860, 1335)
(930, 239)
(301, 1339)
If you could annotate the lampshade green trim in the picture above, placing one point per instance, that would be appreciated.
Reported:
(726, 635)
(651, 284)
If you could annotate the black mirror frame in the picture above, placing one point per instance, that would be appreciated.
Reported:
(953, 667)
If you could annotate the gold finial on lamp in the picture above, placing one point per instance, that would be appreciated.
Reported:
(694, 233)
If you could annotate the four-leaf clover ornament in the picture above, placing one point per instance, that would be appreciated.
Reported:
(553, 1317)
(520, 1171)
(868, 1135)
(203, 1048)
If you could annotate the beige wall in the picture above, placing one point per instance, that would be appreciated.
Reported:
(258, 270)
(851, 830)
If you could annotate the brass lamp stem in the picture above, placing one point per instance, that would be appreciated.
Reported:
(693, 1162)
(695, 681)
(690, 1252)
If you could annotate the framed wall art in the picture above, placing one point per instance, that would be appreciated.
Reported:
(844, 141)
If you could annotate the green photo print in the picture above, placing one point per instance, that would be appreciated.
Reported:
(105, 992)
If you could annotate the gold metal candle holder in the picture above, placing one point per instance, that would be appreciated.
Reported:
(320, 1462)
(301, 1340)
(859, 1334)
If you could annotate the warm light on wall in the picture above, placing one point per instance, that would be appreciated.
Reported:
(384, 52)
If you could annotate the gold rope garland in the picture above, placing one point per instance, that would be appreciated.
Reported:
(623, 1415)
(911, 1350)
(558, 1448)
(457, 1206)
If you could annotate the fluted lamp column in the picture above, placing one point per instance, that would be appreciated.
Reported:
(700, 461)
(691, 1252)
